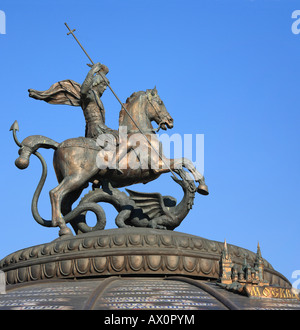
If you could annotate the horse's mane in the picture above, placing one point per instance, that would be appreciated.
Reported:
(129, 100)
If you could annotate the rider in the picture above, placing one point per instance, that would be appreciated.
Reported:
(91, 90)
(86, 95)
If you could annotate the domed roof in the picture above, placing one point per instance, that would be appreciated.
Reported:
(132, 293)
(135, 268)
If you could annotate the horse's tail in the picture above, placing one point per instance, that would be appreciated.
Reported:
(30, 145)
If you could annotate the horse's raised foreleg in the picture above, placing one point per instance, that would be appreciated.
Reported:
(178, 163)
(188, 164)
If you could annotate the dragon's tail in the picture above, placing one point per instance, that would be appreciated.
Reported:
(30, 145)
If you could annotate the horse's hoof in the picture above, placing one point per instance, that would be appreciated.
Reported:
(202, 189)
(65, 231)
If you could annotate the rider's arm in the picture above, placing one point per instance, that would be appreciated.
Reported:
(87, 84)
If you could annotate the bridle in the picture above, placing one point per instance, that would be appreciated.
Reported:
(149, 98)
(157, 112)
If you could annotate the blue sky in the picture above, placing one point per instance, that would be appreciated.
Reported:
(226, 69)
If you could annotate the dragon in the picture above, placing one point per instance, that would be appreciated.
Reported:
(162, 212)
(139, 209)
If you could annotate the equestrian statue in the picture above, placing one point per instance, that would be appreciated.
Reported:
(109, 159)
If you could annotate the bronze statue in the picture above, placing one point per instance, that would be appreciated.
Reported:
(83, 160)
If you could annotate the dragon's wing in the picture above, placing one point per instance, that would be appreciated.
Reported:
(152, 204)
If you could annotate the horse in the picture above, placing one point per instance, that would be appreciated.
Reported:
(78, 161)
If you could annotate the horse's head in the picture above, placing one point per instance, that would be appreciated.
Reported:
(157, 110)
(144, 107)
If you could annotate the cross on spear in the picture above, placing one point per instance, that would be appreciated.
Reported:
(122, 105)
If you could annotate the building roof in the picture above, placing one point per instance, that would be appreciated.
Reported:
(133, 293)
(134, 268)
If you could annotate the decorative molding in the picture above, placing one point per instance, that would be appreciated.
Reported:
(125, 251)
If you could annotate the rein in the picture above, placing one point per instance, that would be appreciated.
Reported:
(153, 130)
(156, 111)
